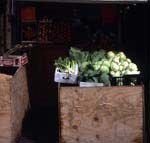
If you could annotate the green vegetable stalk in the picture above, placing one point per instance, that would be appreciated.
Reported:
(66, 65)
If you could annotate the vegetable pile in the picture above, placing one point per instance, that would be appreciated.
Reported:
(97, 66)
(120, 65)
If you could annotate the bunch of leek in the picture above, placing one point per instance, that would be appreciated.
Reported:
(66, 65)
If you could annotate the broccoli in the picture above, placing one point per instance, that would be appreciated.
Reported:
(105, 79)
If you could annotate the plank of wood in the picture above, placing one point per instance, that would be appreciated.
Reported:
(5, 92)
(5, 126)
(5, 140)
(101, 115)
(19, 101)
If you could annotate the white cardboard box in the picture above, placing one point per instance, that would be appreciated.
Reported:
(66, 77)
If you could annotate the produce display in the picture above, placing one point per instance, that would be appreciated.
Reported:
(97, 66)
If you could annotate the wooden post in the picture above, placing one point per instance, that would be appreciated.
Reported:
(8, 24)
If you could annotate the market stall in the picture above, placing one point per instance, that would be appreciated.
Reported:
(86, 62)
(108, 105)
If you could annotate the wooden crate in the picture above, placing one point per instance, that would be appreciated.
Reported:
(101, 114)
(14, 101)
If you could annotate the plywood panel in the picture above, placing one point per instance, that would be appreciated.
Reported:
(4, 92)
(5, 140)
(14, 102)
(101, 115)
(5, 126)
(19, 101)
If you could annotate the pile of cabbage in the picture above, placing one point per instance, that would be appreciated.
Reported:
(98, 66)
(117, 64)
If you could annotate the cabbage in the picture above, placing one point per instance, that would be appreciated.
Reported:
(116, 59)
(114, 67)
(106, 63)
(128, 60)
(97, 65)
(115, 74)
(110, 54)
(124, 64)
(122, 56)
(121, 67)
(133, 67)
(104, 69)
(122, 72)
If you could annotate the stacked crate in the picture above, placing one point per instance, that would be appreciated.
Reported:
(14, 102)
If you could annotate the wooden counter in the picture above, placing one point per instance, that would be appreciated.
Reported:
(101, 114)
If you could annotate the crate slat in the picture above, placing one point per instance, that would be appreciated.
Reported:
(5, 92)
(5, 131)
